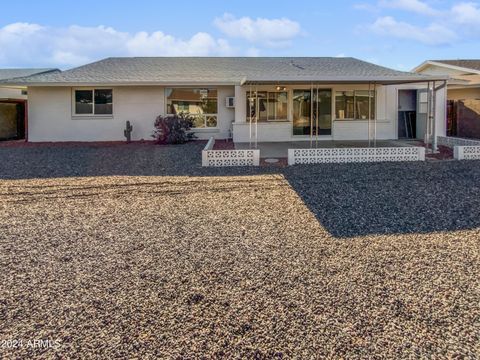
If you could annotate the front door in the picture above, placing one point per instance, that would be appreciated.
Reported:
(312, 112)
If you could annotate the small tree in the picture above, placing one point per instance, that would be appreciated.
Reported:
(173, 129)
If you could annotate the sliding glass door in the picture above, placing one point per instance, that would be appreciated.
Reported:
(302, 107)
(312, 112)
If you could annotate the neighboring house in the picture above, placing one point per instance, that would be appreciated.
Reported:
(463, 95)
(267, 99)
(13, 103)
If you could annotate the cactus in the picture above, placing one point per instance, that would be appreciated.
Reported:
(128, 131)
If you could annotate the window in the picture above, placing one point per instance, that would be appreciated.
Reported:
(93, 102)
(302, 106)
(354, 105)
(272, 106)
(363, 101)
(103, 101)
(202, 104)
(344, 104)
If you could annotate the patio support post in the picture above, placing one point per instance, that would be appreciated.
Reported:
(369, 112)
(256, 116)
(374, 114)
(434, 119)
(250, 114)
(427, 127)
(316, 120)
(311, 115)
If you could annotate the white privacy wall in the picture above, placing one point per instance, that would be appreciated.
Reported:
(51, 117)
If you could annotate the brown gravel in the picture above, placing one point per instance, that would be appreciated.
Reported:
(232, 266)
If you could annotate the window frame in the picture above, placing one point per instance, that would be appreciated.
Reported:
(206, 116)
(355, 115)
(92, 114)
(335, 102)
(267, 97)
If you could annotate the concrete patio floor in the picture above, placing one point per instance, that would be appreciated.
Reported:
(280, 149)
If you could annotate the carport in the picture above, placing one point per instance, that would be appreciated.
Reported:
(13, 103)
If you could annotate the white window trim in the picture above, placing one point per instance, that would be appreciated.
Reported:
(193, 129)
(92, 115)
(279, 120)
(375, 93)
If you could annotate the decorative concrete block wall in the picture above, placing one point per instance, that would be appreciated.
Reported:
(454, 141)
(348, 155)
(210, 157)
(466, 152)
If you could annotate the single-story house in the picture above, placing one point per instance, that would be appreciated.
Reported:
(274, 99)
(13, 99)
(463, 95)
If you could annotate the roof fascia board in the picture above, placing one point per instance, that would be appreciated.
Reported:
(421, 66)
(448, 66)
(13, 87)
(457, 86)
(346, 80)
(136, 83)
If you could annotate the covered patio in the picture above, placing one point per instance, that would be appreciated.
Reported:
(336, 111)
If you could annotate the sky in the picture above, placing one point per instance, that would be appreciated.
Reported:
(400, 34)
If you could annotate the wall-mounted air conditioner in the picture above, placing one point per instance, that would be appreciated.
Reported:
(230, 102)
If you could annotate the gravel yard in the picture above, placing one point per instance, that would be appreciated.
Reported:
(136, 251)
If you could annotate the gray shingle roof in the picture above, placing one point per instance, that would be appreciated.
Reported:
(221, 70)
(469, 64)
(6, 74)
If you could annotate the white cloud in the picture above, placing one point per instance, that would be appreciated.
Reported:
(200, 44)
(461, 22)
(367, 7)
(434, 34)
(467, 14)
(415, 6)
(272, 32)
(24, 44)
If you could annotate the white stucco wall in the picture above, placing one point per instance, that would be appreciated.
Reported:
(51, 118)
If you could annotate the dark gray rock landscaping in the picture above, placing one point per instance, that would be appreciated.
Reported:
(136, 251)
